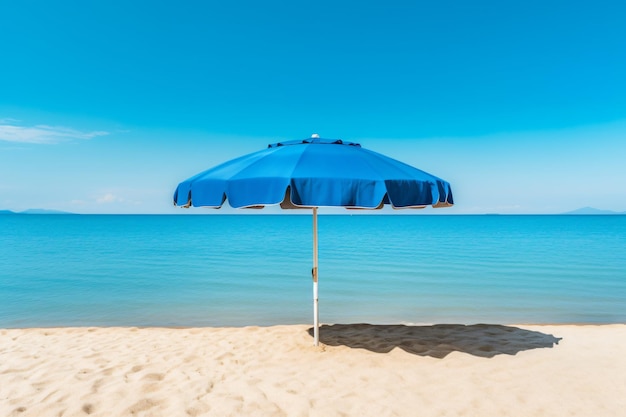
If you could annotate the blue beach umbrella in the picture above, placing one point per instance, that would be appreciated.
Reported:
(313, 173)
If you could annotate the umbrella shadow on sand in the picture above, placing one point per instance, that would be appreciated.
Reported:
(437, 341)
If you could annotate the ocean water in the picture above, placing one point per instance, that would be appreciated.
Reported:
(238, 270)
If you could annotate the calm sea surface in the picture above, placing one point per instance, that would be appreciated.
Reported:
(236, 270)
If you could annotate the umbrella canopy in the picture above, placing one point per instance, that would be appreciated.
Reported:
(314, 173)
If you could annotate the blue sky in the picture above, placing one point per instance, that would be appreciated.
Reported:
(106, 105)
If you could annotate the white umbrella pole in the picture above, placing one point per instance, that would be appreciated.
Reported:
(316, 330)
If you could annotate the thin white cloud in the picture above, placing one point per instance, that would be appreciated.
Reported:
(43, 134)
(109, 198)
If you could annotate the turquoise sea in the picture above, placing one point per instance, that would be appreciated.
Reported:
(237, 270)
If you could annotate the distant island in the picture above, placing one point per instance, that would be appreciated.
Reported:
(594, 211)
(35, 211)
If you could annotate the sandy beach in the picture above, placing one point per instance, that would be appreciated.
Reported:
(359, 370)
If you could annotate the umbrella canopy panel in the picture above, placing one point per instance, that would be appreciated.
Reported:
(314, 173)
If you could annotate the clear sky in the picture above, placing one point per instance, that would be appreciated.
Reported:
(105, 106)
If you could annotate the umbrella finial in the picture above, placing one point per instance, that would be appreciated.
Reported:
(315, 136)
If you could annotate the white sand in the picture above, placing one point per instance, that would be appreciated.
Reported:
(362, 370)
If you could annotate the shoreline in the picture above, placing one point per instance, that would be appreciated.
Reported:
(360, 369)
(269, 326)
